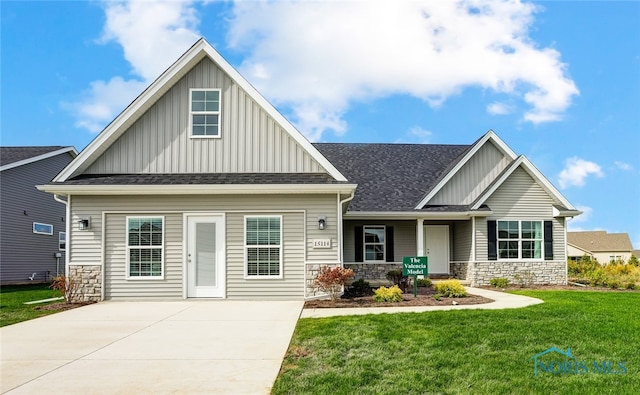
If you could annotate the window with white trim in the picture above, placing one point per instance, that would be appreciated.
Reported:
(263, 246)
(62, 241)
(204, 107)
(42, 229)
(520, 240)
(145, 247)
(374, 250)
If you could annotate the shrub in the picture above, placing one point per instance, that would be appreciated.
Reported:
(69, 287)
(633, 261)
(332, 279)
(499, 282)
(451, 289)
(391, 294)
(424, 282)
(359, 288)
(437, 297)
(582, 267)
(395, 276)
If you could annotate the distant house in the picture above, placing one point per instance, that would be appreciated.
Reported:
(33, 227)
(599, 244)
(201, 188)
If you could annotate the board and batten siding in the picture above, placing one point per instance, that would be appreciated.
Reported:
(474, 177)
(298, 211)
(23, 252)
(251, 141)
(521, 198)
(404, 238)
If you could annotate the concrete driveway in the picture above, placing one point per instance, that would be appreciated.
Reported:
(183, 347)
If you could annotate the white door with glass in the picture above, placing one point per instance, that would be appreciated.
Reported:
(205, 256)
(436, 248)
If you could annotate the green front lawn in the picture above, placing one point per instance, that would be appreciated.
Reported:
(470, 351)
(12, 298)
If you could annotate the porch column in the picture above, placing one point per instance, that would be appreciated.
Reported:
(420, 236)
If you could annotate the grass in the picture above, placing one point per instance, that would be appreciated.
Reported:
(12, 298)
(470, 351)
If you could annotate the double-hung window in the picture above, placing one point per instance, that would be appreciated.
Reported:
(263, 246)
(145, 247)
(520, 240)
(204, 107)
(374, 243)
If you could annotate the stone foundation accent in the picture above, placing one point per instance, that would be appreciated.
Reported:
(520, 273)
(372, 271)
(459, 270)
(90, 282)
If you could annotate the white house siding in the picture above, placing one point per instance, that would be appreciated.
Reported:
(293, 208)
(520, 198)
(473, 178)
(250, 141)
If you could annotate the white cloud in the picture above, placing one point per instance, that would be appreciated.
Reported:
(318, 57)
(623, 166)
(576, 171)
(416, 134)
(497, 108)
(152, 34)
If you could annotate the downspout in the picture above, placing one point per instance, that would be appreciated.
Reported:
(67, 230)
(340, 225)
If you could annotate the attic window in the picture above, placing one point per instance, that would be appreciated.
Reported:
(205, 113)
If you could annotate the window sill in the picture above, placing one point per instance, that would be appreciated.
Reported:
(263, 277)
(143, 278)
(205, 137)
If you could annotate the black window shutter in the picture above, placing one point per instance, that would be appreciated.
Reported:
(389, 244)
(493, 240)
(358, 243)
(548, 240)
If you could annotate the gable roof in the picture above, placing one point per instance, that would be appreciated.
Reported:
(566, 209)
(391, 177)
(600, 241)
(11, 157)
(159, 87)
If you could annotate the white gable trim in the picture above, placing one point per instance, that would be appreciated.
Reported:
(523, 162)
(160, 86)
(70, 150)
(489, 136)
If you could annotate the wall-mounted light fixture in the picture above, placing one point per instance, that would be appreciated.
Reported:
(322, 222)
(84, 223)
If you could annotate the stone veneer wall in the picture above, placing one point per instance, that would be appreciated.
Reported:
(459, 270)
(524, 273)
(90, 278)
(372, 271)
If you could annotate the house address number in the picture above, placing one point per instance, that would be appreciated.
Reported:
(322, 243)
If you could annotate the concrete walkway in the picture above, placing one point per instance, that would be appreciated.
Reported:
(501, 301)
(185, 347)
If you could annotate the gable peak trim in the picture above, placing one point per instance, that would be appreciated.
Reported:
(71, 150)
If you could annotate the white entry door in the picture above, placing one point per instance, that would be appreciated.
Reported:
(436, 247)
(205, 256)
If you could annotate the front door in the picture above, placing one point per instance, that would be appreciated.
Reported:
(205, 256)
(436, 247)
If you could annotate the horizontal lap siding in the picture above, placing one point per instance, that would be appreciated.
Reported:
(521, 198)
(87, 244)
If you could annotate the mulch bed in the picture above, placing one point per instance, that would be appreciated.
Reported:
(62, 306)
(425, 298)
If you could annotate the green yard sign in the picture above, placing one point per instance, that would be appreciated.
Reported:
(415, 266)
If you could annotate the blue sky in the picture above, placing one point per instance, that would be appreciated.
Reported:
(559, 81)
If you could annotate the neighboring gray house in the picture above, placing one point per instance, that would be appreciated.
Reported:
(32, 224)
(201, 188)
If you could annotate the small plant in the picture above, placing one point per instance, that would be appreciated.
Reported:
(395, 276)
(391, 294)
(499, 282)
(68, 286)
(437, 297)
(451, 289)
(633, 261)
(359, 287)
(332, 279)
(424, 282)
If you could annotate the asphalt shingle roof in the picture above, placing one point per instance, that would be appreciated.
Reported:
(10, 155)
(203, 179)
(392, 177)
(600, 241)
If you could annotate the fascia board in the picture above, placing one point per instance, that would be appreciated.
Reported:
(23, 162)
(161, 85)
(534, 173)
(489, 136)
(180, 189)
(415, 215)
(580, 248)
